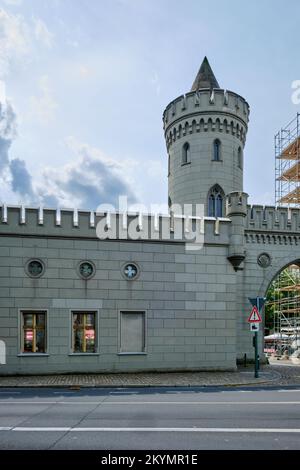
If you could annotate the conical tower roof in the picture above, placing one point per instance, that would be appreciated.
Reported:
(205, 77)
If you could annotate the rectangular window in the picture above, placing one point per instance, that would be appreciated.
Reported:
(84, 332)
(132, 332)
(33, 332)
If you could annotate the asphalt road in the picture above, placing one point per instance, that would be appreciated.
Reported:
(150, 418)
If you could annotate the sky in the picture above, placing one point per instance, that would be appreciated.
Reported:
(83, 85)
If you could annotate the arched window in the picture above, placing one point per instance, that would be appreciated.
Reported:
(186, 153)
(217, 150)
(240, 158)
(215, 201)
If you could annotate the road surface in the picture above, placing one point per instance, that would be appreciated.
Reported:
(150, 418)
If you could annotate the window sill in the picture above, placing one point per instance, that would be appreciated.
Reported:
(33, 355)
(132, 354)
(216, 161)
(84, 354)
(186, 163)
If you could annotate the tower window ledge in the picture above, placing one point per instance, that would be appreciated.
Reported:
(185, 163)
(217, 161)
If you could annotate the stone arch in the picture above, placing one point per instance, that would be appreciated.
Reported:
(225, 125)
(186, 128)
(276, 267)
(179, 131)
(174, 134)
(194, 124)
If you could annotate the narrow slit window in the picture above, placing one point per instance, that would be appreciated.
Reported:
(186, 154)
(240, 158)
(217, 150)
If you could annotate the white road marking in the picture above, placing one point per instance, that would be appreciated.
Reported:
(122, 403)
(288, 391)
(140, 429)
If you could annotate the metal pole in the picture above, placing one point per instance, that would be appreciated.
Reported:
(256, 354)
(256, 346)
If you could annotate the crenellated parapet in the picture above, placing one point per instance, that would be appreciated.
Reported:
(273, 219)
(206, 110)
(40, 222)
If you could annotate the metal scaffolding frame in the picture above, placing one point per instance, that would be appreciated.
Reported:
(287, 164)
(286, 320)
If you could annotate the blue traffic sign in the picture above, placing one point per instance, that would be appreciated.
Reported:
(257, 302)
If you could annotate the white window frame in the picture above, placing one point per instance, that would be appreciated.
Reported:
(20, 332)
(132, 353)
(83, 310)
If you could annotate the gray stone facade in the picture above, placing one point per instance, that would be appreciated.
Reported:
(193, 303)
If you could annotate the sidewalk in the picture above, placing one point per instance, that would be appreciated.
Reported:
(168, 379)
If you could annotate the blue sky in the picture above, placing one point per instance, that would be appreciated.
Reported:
(86, 82)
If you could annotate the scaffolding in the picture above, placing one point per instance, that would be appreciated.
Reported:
(287, 164)
(285, 304)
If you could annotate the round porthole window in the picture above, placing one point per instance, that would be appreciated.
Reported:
(35, 268)
(86, 269)
(264, 260)
(130, 271)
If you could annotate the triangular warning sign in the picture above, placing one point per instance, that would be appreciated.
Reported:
(254, 316)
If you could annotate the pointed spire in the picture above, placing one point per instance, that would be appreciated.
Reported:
(205, 77)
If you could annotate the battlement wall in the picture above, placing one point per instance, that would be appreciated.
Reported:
(64, 223)
(273, 219)
(202, 111)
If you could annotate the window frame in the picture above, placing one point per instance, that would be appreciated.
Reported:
(26, 268)
(219, 150)
(21, 353)
(132, 353)
(71, 339)
(186, 151)
(216, 192)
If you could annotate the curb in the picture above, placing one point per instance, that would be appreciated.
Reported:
(258, 381)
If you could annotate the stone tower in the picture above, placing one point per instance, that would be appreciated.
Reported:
(205, 132)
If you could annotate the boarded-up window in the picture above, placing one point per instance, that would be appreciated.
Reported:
(132, 332)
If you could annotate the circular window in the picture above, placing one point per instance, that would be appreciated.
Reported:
(35, 268)
(264, 260)
(86, 269)
(130, 271)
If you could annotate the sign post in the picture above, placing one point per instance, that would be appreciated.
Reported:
(254, 320)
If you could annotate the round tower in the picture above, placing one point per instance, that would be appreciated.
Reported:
(205, 132)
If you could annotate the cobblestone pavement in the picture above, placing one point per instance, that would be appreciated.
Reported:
(277, 373)
(289, 373)
(241, 377)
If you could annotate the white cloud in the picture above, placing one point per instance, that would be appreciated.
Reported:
(92, 178)
(42, 33)
(43, 106)
(14, 40)
(13, 2)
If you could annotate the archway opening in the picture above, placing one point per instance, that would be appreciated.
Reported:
(282, 314)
